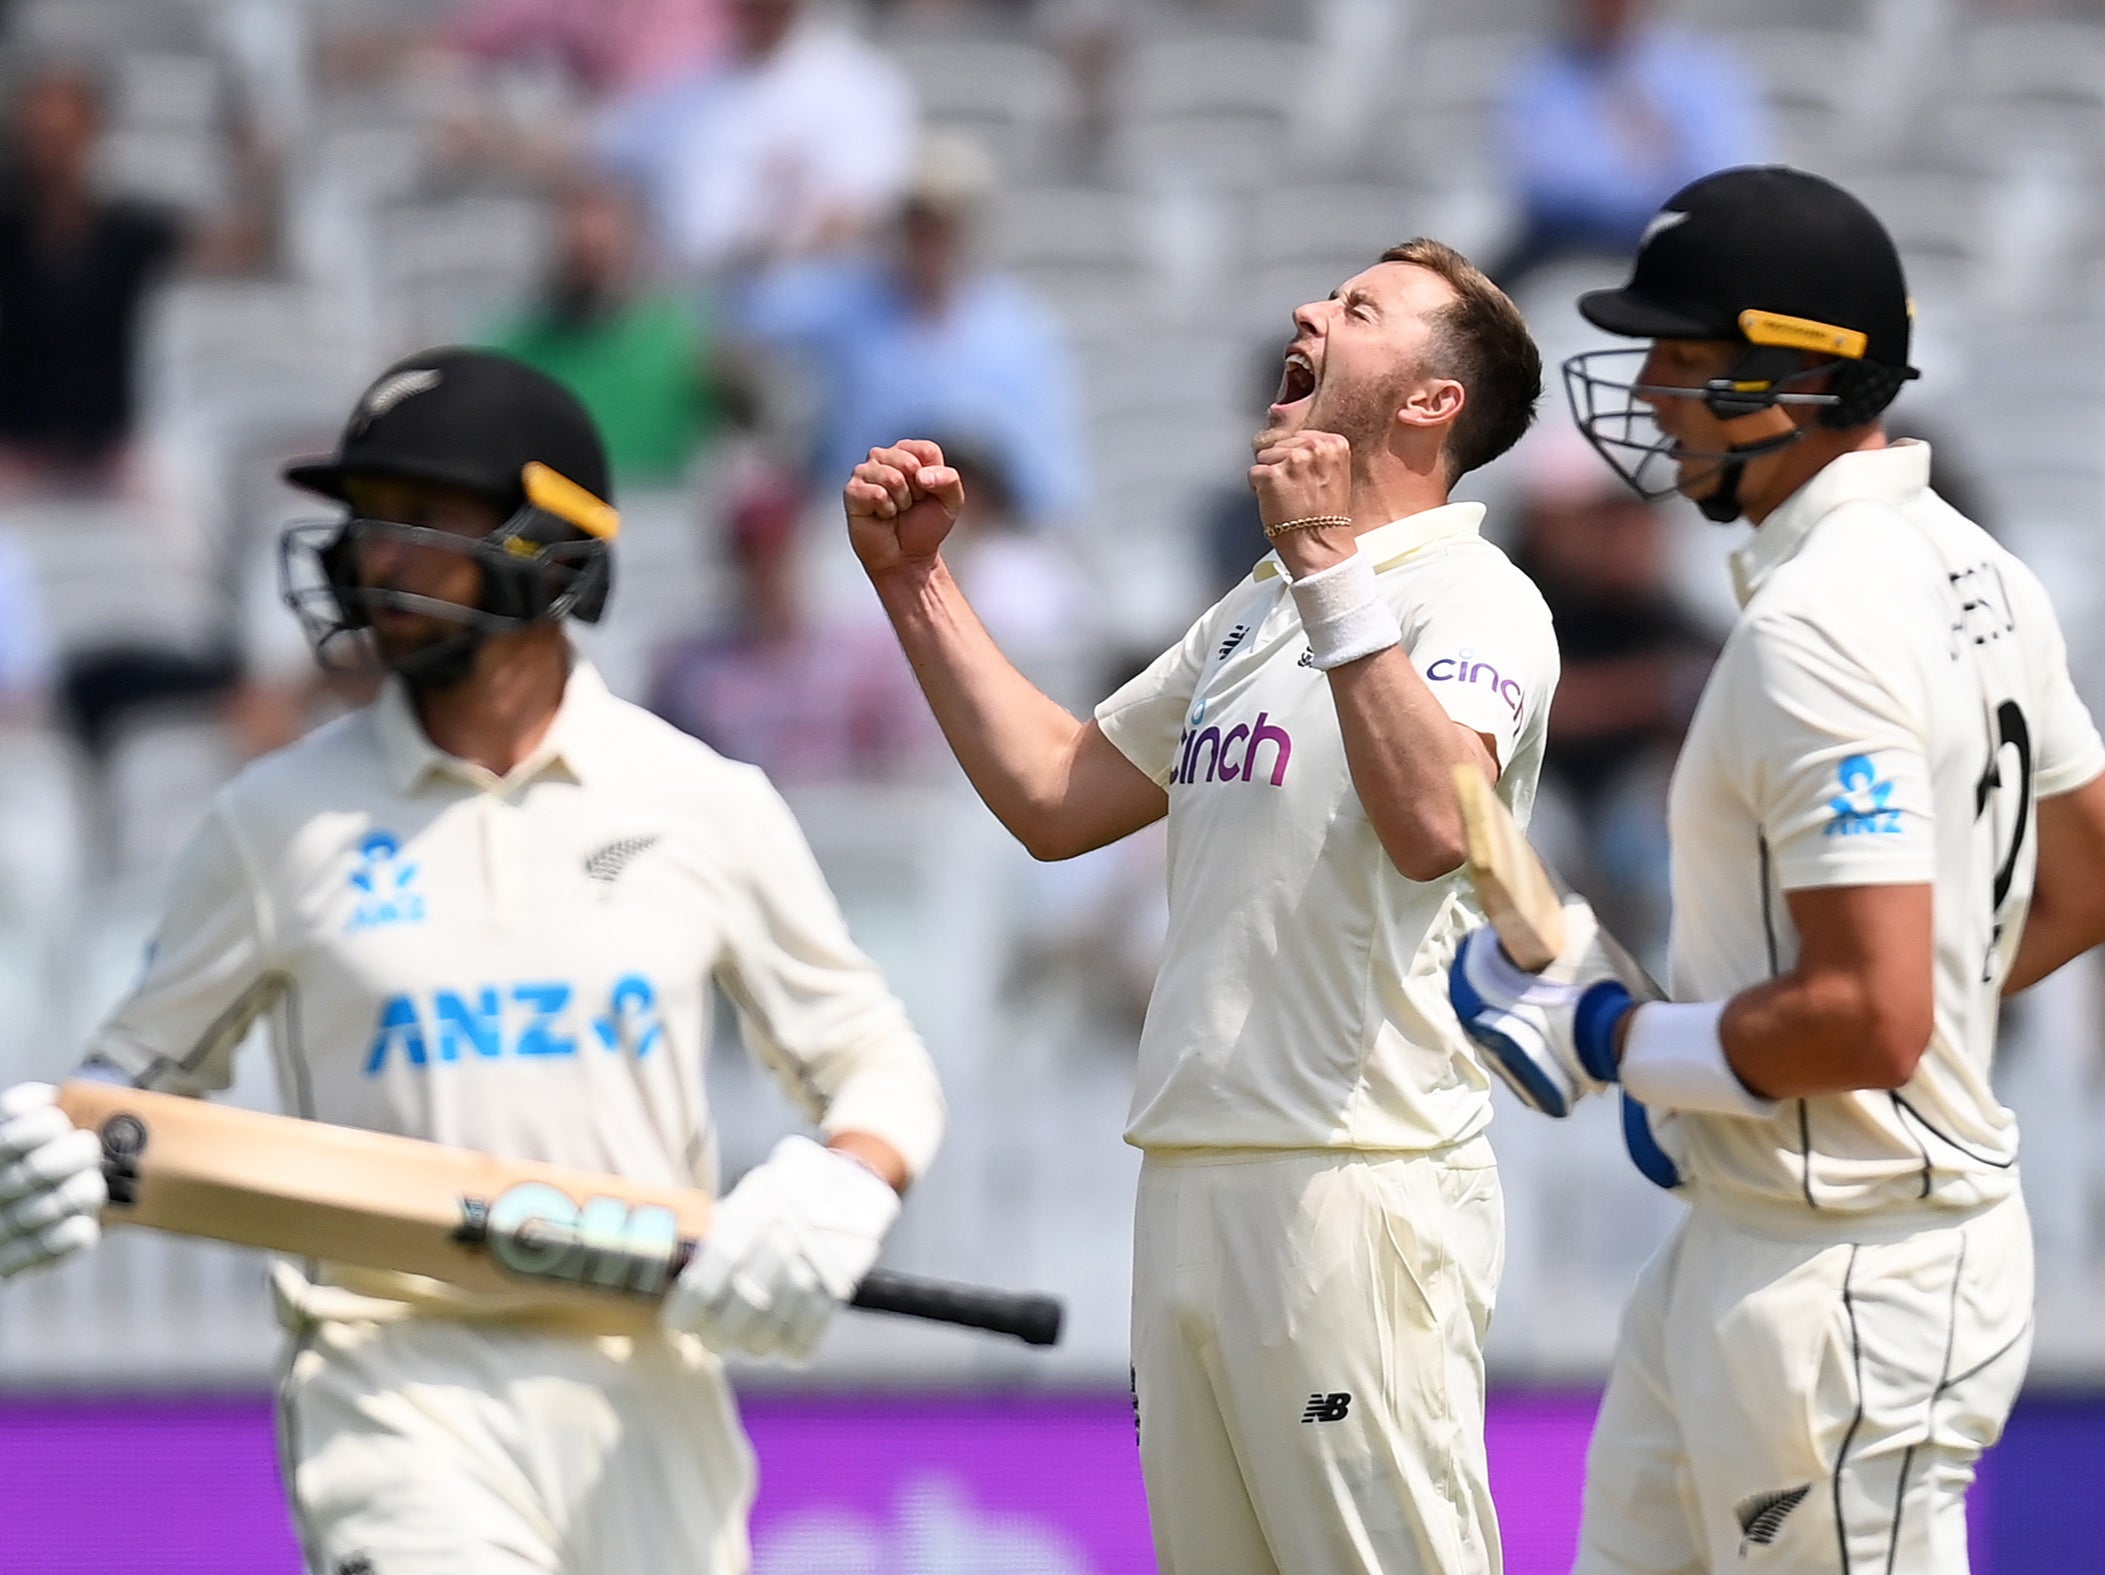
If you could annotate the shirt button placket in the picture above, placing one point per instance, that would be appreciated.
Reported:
(502, 851)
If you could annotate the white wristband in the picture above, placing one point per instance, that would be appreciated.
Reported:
(1673, 1058)
(1343, 613)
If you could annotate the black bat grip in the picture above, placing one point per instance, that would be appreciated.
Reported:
(1033, 1319)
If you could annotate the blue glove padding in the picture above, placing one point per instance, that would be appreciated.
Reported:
(1550, 1035)
(1647, 1153)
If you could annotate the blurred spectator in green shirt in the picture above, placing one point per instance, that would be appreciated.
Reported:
(640, 354)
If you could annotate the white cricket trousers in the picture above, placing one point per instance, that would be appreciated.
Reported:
(1308, 1369)
(1783, 1402)
(438, 1447)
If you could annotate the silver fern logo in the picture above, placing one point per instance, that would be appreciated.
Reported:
(607, 864)
(1761, 1516)
(389, 392)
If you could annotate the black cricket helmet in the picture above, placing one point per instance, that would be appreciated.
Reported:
(1780, 261)
(491, 426)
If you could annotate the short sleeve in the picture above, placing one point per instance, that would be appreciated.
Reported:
(1834, 762)
(1144, 717)
(2067, 750)
(209, 972)
(1484, 644)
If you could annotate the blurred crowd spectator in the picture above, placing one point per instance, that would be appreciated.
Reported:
(814, 689)
(1634, 660)
(1599, 126)
(916, 336)
(76, 268)
(797, 139)
(606, 48)
(807, 695)
(641, 352)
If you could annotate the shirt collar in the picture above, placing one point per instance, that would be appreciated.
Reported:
(572, 744)
(1388, 545)
(1896, 474)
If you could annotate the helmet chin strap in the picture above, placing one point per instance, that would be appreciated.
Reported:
(1722, 505)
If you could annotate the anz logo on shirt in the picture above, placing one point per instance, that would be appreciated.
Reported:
(1861, 808)
(540, 1018)
(385, 883)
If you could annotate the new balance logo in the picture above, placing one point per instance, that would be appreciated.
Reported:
(1327, 1408)
(608, 863)
(1761, 1517)
(1235, 638)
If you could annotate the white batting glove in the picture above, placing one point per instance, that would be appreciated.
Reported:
(51, 1186)
(787, 1246)
(1550, 1035)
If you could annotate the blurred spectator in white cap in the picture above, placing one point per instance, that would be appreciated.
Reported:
(917, 336)
(1634, 661)
(1603, 124)
(638, 351)
(795, 142)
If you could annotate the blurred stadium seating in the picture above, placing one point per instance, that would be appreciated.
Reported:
(1241, 172)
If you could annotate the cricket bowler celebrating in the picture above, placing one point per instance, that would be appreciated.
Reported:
(485, 910)
(1888, 813)
(1319, 1228)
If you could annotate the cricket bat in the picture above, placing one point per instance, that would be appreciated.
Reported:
(1512, 883)
(1521, 896)
(373, 1200)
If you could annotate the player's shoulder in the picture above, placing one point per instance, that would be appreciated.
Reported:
(327, 766)
(1861, 545)
(1472, 571)
(630, 732)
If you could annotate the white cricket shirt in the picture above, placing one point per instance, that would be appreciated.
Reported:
(1302, 998)
(1892, 702)
(519, 966)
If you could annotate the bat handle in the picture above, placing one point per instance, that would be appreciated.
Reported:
(1033, 1319)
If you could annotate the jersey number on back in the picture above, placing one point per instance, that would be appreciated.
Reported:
(2010, 733)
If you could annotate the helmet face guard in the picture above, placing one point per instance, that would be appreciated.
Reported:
(550, 560)
(1611, 409)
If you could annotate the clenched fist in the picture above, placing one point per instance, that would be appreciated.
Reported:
(1303, 475)
(901, 503)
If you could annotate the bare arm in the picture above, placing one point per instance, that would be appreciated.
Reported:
(877, 1155)
(2067, 916)
(1059, 785)
(1401, 746)
(1857, 1008)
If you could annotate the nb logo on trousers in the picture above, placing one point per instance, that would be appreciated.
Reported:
(1327, 1408)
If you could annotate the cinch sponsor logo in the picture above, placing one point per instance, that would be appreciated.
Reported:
(1210, 755)
(535, 1018)
(1466, 669)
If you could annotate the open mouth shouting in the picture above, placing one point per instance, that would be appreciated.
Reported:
(1297, 385)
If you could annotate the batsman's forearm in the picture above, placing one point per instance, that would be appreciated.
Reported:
(1401, 747)
(1857, 1008)
(1017, 746)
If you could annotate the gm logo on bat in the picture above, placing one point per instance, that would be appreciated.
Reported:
(540, 1232)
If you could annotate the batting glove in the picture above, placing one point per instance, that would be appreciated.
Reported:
(1550, 1035)
(51, 1186)
(786, 1247)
